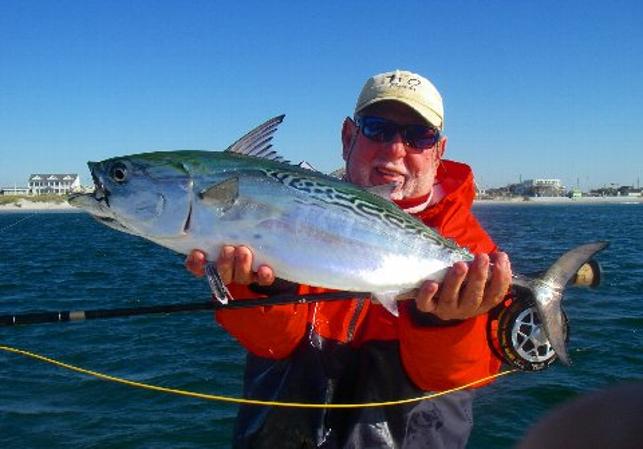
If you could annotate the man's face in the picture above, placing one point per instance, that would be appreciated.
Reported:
(370, 163)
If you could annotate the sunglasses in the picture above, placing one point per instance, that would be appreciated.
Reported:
(377, 129)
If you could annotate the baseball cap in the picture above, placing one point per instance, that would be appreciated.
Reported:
(406, 87)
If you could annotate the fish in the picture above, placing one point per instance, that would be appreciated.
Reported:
(311, 228)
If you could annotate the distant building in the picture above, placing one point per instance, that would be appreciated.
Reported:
(628, 191)
(53, 184)
(541, 187)
(576, 193)
(14, 190)
(614, 190)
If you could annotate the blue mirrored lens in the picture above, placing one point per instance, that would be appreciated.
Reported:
(420, 136)
(382, 130)
(377, 129)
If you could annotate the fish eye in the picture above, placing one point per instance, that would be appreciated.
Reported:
(118, 172)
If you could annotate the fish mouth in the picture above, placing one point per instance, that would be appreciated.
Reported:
(101, 193)
(112, 223)
(98, 209)
(96, 202)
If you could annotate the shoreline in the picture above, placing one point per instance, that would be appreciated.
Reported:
(46, 206)
(562, 201)
(24, 205)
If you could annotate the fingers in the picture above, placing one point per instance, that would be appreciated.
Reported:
(265, 276)
(473, 290)
(445, 304)
(234, 264)
(225, 264)
(448, 299)
(195, 262)
(467, 291)
(499, 283)
(426, 300)
(243, 273)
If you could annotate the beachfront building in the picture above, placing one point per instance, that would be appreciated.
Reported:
(53, 184)
(576, 192)
(541, 187)
(629, 191)
(15, 190)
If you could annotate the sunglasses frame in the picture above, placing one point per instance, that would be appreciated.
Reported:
(402, 130)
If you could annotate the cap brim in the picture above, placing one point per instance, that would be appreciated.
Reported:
(426, 113)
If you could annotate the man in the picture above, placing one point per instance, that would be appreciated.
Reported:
(354, 351)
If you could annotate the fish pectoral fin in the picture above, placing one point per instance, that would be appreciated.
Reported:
(388, 301)
(223, 194)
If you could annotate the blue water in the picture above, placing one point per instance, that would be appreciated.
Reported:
(61, 261)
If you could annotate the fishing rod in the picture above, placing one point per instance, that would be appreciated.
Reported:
(241, 303)
(221, 299)
(588, 275)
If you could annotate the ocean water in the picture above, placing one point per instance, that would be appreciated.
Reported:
(62, 261)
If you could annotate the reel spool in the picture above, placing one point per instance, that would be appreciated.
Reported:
(520, 338)
(517, 335)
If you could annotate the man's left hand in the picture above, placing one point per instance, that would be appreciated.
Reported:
(467, 290)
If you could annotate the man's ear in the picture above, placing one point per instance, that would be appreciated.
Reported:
(442, 147)
(349, 133)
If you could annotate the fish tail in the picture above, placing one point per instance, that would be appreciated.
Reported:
(547, 291)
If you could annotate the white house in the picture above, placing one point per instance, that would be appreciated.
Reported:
(15, 190)
(53, 184)
(542, 187)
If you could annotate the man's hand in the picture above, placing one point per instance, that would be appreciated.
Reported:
(467, 290)
(234, 264)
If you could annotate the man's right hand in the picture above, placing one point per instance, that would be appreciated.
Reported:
(234, 264)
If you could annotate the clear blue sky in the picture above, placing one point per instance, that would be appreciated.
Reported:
(532, 88)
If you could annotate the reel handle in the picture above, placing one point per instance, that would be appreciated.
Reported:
(588, 275)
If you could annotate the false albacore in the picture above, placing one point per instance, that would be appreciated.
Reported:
(309, 227)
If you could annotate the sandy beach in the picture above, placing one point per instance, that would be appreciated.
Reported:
(563, 200)
(24, 205)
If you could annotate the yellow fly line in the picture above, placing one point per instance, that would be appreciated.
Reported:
(214, 397)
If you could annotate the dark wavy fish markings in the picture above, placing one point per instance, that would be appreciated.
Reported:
(358, 206)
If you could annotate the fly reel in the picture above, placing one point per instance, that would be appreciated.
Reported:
(518, 335)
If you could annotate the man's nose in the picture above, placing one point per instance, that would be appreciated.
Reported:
(396, 148)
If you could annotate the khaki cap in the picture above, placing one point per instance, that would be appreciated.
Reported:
(409, 88)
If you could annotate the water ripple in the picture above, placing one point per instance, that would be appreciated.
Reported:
(67, 261)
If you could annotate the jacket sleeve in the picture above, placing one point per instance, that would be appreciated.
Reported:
(271, 331)
(438, 357)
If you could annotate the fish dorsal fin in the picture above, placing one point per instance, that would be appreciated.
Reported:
(305, 165)
(383, 190)
(222, 194)
(257, 142)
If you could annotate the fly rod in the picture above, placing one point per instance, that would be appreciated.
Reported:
(588, 275)
(241, 303)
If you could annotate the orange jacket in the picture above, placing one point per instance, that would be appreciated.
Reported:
(434, 357)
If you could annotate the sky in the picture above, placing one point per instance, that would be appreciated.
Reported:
(532, 89)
